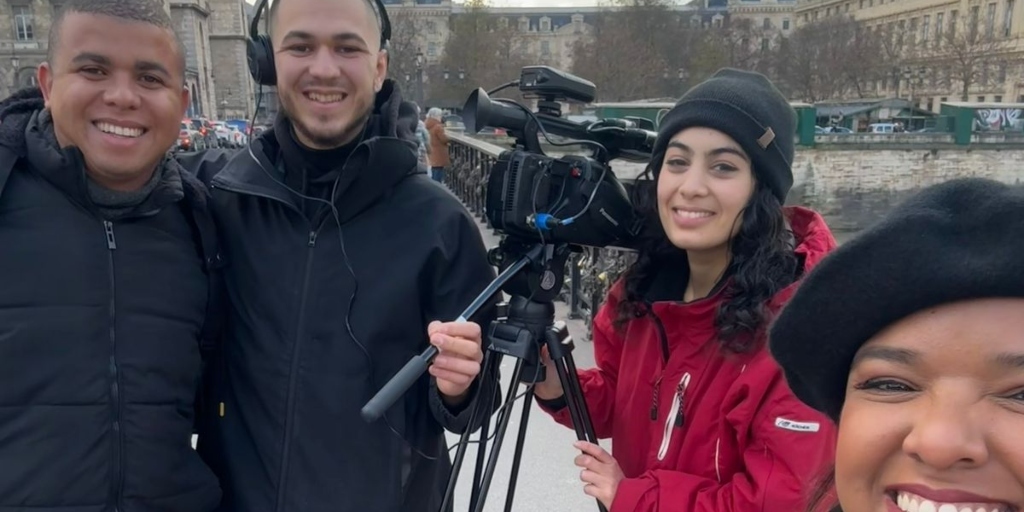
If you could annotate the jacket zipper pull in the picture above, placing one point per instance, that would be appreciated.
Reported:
(654, 402)
(312, 238)
(108, 227)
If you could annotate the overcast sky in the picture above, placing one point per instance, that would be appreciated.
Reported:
(529, 3)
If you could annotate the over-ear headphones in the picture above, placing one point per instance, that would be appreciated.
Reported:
(260, 52)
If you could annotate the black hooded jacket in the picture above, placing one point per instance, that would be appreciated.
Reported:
(321, 318)
(100, 322)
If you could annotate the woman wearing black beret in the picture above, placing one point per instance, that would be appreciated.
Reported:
(911, 338)
(699, 414)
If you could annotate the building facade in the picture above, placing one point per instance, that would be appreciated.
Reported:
(191, 20)
(235, 92)
(939, 51)
(24, 29)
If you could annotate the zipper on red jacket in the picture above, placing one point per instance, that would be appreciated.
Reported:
(662, 337)
(673, 414)
(663, 340)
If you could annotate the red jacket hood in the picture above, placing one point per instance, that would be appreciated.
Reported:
(695, 428)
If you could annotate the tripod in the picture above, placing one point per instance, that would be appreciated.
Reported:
(528, 325)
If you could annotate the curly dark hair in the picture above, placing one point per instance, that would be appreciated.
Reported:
(763, 262)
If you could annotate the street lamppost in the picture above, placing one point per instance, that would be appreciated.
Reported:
(457, 80)
(15, 63)
(419, 78)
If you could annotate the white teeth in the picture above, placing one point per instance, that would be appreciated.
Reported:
(692, 215)
(120, 130)
(908, 502)
(324, 98)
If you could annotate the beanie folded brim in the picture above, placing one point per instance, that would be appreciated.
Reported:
(747, 131)
(952, 242)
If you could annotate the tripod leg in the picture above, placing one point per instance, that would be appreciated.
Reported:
(486, 391)
(574, 413)
(520, 441)
(565, 366)
(492, 459)
(481, 457)
(576, 391)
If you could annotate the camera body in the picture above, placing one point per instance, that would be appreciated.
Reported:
(574, 200)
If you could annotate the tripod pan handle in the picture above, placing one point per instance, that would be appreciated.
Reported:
(398, 385)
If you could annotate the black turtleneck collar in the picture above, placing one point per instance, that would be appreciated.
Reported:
(311, 171)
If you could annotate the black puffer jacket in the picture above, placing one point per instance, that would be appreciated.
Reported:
(100, 322)
(321, 318)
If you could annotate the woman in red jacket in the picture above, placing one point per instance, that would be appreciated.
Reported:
(700, 416)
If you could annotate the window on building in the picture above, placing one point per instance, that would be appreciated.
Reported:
(981, 99)
(973, 23)
(990, 20)
(938, 28)
(952, 23)
(926, 24)
(929, 105)
(861, 4)
(997, 98)
(847, 8)
(765, 44)
(1001, 74)
(1020, 98)
(23, 23)
(785, 24)
(545, 48)
(767, 24)
(545, 25)
(912, 39)
(1008, 18)
(432, 50)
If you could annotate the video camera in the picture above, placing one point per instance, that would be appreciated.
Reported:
(572, 199)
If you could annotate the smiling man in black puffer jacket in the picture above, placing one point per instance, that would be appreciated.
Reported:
(108, 265)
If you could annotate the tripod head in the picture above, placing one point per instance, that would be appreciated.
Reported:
(542, 278)
(530, 313)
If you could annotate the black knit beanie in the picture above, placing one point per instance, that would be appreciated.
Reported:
(747, 107)
(956, 241)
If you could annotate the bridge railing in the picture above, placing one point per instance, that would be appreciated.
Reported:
(588, 274)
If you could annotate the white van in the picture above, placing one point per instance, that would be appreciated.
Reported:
(882, 128)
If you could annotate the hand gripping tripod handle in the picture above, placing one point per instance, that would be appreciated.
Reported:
(412, 370)
(398, 384)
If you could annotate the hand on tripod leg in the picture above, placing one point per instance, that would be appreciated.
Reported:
(551, 387)
(601, 472)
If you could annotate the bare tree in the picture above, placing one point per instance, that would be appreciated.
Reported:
(968, 49)
(486, 49)
(631, 48)
(403, 48)
(827, 59)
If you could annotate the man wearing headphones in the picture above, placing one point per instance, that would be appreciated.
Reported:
(341, 257)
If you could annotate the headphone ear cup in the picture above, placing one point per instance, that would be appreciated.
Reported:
(260, 55)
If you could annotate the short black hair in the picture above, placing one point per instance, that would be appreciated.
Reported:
(272, 11)
(143, 11)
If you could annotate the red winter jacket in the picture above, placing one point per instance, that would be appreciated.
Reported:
(703, 431)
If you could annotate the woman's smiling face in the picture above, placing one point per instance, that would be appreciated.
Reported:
(934, 414)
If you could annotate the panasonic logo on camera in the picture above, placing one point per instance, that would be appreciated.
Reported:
(797, 426)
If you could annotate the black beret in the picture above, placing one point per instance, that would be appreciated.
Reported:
(960, 240)
(746, 106)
